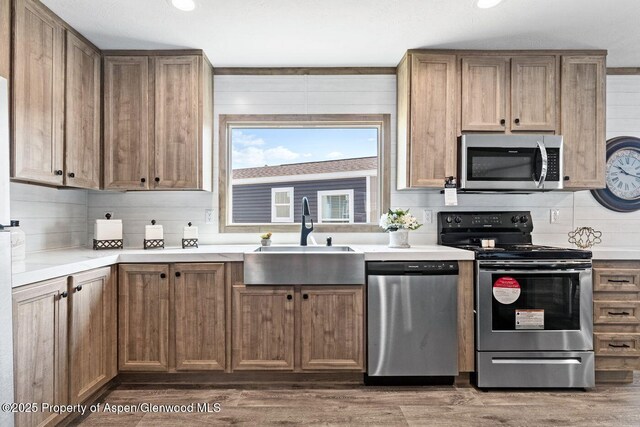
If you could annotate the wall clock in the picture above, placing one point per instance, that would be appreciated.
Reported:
(622, 193)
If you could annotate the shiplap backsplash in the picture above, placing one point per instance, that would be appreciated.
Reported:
(321, 95)
(50, 218)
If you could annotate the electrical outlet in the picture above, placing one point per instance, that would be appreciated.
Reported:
(208, 216)
(427, 216)
(105, 213)
(554, 216)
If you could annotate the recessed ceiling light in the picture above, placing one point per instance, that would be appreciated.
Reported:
(486, 4)
(185, 5)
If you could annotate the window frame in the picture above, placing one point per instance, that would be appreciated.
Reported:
(346, 192)
(274, 216)
(229, 121)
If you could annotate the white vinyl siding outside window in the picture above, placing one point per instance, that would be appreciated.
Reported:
(335, 206)
(282, 204)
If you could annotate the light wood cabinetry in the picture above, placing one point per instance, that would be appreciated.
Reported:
(583, 121)
(199, 303)
(92, 333)
(37, 95)
(158, 121)
(616, 318)
(332, 328)
(40, 349)
(466, 319)
(143, 317)
(126, 122)
(5, 38)
(263, 328)
(508, 93)
(82, 113)
(427, 87)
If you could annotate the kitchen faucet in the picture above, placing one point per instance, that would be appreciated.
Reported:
(305, 231)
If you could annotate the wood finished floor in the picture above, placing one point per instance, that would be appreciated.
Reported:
(607, 405)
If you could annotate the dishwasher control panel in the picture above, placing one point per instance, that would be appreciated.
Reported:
(412, 267)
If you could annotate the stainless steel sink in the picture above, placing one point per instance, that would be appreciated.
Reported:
(304, 265)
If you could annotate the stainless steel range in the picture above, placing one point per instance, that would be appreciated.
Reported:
(534, 304)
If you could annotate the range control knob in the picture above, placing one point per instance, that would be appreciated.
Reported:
(449, 220)
(524, 219)
(515, 219)
(458, 220)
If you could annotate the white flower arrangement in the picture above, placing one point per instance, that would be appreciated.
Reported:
(399, 219)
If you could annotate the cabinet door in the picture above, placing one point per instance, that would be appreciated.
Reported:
(177, 119)
(143, 317)
(38, 95)
(263, 328)
(533, 93)
(126, 123)
(583, 121)
(40, 349)
(82, 112)
(5, 38)
(484, 93)
(432, 149)
(92, 333)
(332, 333)
(199, 316)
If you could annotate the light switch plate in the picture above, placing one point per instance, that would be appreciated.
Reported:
(208, 216)
(554, 216)
(427, 216)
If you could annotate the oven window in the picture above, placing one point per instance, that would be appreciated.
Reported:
(490, 164)
(545, 302)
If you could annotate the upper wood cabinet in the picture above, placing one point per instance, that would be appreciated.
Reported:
(126, 122)
(40, 349)
(92, 333)
(158, 122)
(508, 93)
(82, 112)
(583, 92)
(37, 95)
(5, 38)
(427, 87)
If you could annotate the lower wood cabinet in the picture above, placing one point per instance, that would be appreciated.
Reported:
(171, 317)
(616, 319)
(64, 341)
(308, 328)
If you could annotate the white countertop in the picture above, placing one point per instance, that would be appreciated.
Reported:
(615, 253)
(47, 265)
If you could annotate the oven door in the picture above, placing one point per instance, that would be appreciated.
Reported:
(534, 305)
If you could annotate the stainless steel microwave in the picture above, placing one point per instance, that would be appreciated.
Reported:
(511, 162)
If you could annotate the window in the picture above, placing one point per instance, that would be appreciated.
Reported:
(335, 206)
(282, 204)
(270, 162)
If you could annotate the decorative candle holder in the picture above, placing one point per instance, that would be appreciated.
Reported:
(99, 244)
(150, 231)
(190, 237)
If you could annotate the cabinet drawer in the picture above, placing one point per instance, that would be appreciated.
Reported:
(616, 312)
(617, 363)
(617, 344)
(616, 280)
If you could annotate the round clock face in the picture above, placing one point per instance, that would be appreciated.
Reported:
(622, 193)
(623, 173)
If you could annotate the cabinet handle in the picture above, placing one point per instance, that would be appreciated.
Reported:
(78, 288)
(619, 346)
(517, 121)
(162, 275)
(143, 180)
(72, 175)
(289, 296)
(618, 313)
(503, 122)
(567, 178)
(64, 294)
(58, 172)
(305, 296)
(178, 274)
(618, 281)
(157, 179)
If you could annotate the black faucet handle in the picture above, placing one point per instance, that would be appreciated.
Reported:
(329, 241)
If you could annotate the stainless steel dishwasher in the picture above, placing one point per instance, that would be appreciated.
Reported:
(412, 319)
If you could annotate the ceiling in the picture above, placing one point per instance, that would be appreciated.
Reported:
(334, 33)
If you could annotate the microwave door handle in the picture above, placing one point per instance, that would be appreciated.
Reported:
(545, 161)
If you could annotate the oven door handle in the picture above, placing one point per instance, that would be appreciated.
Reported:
(545, 162)
(511, 268)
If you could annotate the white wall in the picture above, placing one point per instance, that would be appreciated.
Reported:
(331, 95)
